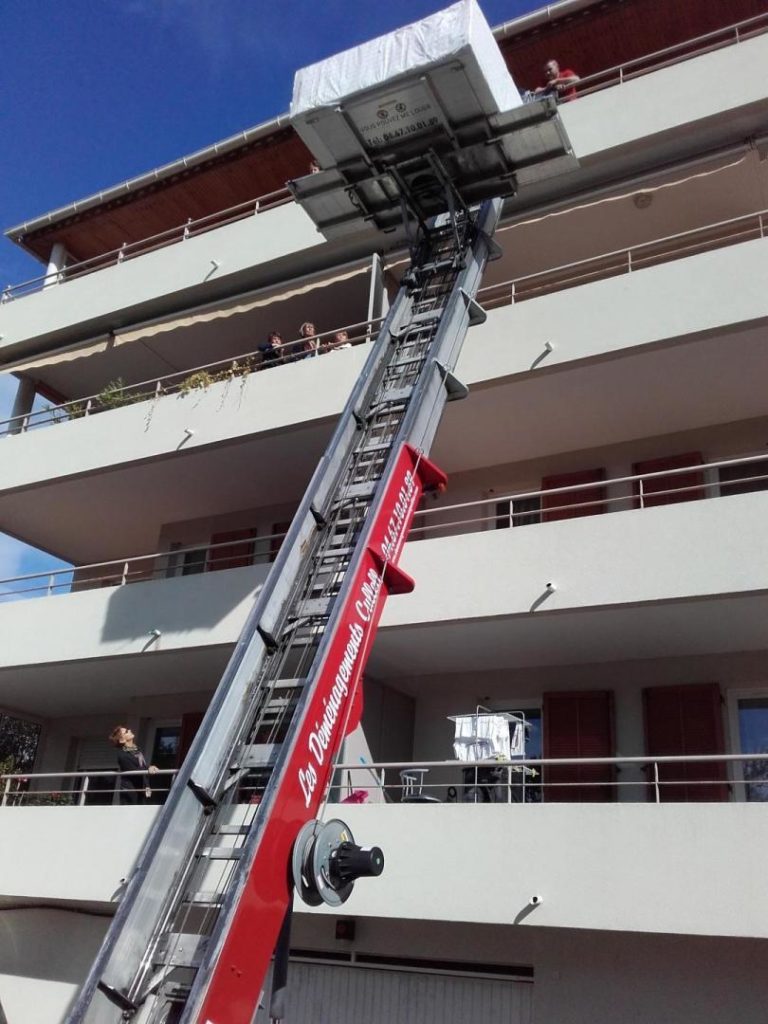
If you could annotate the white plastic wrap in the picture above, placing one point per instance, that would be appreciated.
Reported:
(458, 32)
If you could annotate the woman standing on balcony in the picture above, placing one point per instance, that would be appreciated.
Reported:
(133, 789)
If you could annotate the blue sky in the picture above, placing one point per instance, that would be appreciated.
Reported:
(97, 91)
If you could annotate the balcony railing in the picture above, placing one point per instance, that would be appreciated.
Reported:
(634, 492)
(196, 378)
(626, 261)
(443, 521)
(530, 286)
(617, 75)
(186, 561)
(189, 229)
(648, 779)
(696, 47)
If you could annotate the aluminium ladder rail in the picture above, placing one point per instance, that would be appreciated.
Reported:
(194, 933)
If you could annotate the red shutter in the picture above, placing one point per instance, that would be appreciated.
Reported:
(683, 720)
(190, 723)
(690, 485)
(590, 500)
(579, 724)
(234, 555)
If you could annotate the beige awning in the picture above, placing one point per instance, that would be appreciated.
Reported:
(208, 314)
(62, 355)
(201, 315)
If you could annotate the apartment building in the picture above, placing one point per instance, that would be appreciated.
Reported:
(617, 411)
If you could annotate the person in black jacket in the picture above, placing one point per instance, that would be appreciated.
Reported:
(133, 789)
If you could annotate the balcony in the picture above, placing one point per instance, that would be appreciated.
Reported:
(687, 579)
(606, 876)
(662, 107)
(245, 253)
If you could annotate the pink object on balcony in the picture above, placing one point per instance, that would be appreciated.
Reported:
(357, 796)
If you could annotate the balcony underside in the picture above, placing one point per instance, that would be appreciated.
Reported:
(406, 654)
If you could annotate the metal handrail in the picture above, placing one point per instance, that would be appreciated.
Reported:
(632, 255)
(532, 772)
(122, 566)
(240, 366)
(659, 58)
(179, 233)
(637, 478)
(17, 795)
(122, 573)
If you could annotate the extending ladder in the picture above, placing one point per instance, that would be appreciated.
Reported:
(193, 936)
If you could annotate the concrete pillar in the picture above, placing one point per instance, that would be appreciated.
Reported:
(22, 404)
(56, 262)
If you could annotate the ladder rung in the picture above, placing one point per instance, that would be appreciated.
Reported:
(372, 449)
(222, 852)
(396, 395)
(204, 898)
(316, 605)
(406, 362)
(258, 755)
(289, 684)
(232, 830)
(335, 554)
(419, 319)
(181, 949)
(366, 489)
(278, 704)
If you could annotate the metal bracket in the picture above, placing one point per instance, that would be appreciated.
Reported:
(455, 389)
(114, 996)
(477, 314)
(319, 518)
(269, 640)
(209, 802)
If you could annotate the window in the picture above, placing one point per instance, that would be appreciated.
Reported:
(523, 512)
(165, 753)
(753, 739)
(744, 479)
(672, 488)
(193, 562)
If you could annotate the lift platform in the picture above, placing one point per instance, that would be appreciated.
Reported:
(431, 100)
(211, 892)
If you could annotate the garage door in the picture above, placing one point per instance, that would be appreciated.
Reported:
(330, 994)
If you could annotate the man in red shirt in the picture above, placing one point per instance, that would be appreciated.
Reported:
(560, 83)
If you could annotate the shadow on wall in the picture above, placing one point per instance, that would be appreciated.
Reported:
(50, 945)
(159, 614)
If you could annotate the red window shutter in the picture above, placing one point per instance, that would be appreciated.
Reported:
(579, 724)
(190, 723)
(686, 720)
(689, 485)
(279, 531)
(232, 555)
(573, 504)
